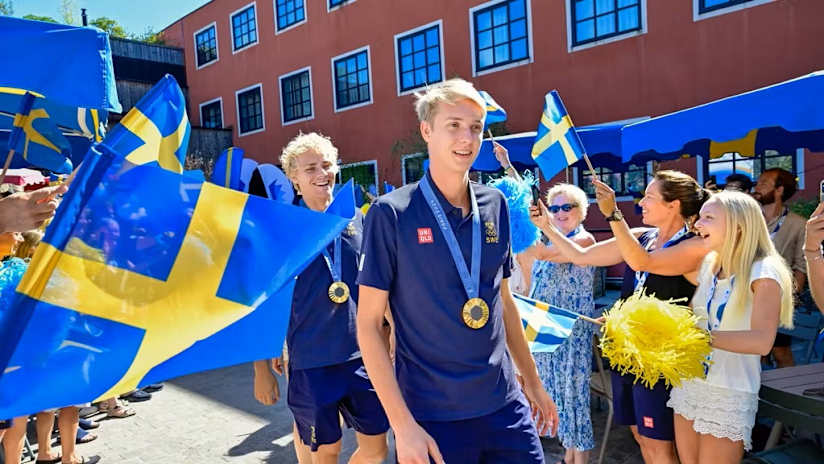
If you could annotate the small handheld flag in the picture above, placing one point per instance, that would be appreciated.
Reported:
(227, 168)
(494, 111)
(156, 131)
(36, 138)
(545, 326)
(557, 144)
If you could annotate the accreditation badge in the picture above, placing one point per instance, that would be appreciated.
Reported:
(338, 292)
(475, 313)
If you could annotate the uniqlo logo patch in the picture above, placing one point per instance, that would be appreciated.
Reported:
(425, 235)
(649, 423)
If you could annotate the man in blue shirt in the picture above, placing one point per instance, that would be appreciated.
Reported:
(438, 252)
(325, 372)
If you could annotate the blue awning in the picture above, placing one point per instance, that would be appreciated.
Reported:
(782, 117)
(602, 142)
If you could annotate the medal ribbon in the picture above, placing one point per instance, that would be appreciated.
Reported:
(719, 312)
(334, 265)
(779, 223)
(641, 277)
(471, 282)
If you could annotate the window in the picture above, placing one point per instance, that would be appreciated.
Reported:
(624, 183)
(289, 13)
(594, 20)
(296, 96)
(707, 6)
(365, 174)
(412, 169)
(751, 166)
(419, 57)
(250, 110)
(211, 114)
(500, 34)
(206, 46)
(244, 27)
(352, 83)
(334, 4)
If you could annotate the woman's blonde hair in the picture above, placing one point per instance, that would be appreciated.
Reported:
(305, 142)
(578, 196)
(450, 92)
(746, 241)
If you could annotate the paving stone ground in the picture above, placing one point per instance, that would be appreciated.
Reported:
(212, 417)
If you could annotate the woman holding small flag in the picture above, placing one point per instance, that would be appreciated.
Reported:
(555, 280)
(662, 260)
(326, 375)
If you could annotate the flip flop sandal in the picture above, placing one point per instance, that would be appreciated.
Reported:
(87, 424)
(151, 388)
(137, 396)
(49, 461)
(84, 437)
(120, 412)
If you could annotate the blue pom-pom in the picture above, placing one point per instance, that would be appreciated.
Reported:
(11, 271)
(518, 197)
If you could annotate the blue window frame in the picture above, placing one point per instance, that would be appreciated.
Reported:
(244, 28)
(594, 20)
(210, 115)
(352, 80)
(501, 34)
(296, 94)
(419, 58)
(206, 44)
(289, 12)
(250, 110)
(705, 6)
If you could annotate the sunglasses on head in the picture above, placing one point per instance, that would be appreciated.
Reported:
(567, 207)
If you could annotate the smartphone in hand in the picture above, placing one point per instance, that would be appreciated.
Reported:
(536, 195)
(821, 192)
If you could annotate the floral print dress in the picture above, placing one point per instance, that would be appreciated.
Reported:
(565, 373)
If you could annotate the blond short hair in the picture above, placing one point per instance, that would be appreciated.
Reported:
(573, 193)
(451, 92)
(302, 143)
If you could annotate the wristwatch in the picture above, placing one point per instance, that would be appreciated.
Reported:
(615, 216)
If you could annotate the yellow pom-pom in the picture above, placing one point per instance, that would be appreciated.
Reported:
(653, 340)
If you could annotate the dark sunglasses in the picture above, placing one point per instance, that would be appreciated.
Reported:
(567, 207)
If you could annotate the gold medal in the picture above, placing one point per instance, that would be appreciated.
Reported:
(338, 292)
(475, 313)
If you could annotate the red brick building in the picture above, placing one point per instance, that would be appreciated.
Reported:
(271, 68)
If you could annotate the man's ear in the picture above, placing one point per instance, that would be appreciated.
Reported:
(426, 131)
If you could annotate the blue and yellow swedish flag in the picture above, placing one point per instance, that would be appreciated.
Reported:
(557, 144)
(145, 275)
(156, 131)
(494, 111)
(545, 326)
(35, 139)
(227, 170)
(86, 122)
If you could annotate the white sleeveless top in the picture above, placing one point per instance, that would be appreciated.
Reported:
(736, 371)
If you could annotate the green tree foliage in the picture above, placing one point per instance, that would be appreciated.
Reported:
(47, 19)
(6, 7)
(111, 26)
(67, 10)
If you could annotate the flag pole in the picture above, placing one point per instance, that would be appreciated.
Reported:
(549, 309)
(589, 165)
(6, 165)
